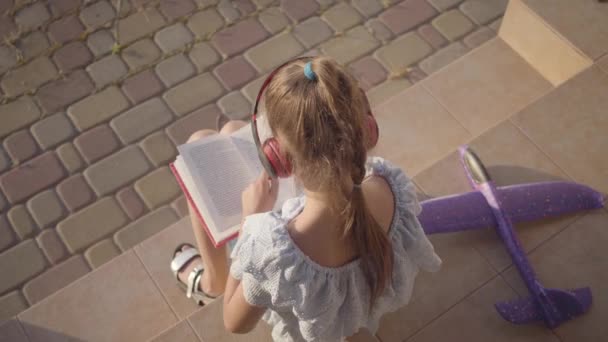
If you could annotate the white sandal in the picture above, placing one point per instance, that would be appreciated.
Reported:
(194, 278)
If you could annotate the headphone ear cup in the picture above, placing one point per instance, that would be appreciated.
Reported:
(277, 160)
(373, 131)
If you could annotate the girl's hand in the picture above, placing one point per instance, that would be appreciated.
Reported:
(260, 195)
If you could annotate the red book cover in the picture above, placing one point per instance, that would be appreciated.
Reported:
(217, 244)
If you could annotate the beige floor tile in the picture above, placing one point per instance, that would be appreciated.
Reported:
(511, 158)
(486, 86)
(572, 20)
(476, 320)
(116, 302)
(576, 258)
(208, 323)
(12, 331)
(416, 131)
(463, 271)
(603, 63)
(181, 332)
(156, 253)
(570, 125)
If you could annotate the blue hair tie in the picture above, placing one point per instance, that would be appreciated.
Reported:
(309, 73)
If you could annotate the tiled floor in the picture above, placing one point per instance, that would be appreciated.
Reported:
(523, 129)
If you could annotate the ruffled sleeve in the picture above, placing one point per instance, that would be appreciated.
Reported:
(407, 235)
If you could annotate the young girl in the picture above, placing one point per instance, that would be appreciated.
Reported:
(334, 260)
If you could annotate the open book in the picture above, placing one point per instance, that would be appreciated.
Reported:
(214, 171)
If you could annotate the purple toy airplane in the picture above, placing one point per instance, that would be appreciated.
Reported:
(499, 206)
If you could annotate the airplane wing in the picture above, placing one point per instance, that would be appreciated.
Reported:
(522, 202)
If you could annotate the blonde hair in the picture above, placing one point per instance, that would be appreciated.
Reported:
(322, 123)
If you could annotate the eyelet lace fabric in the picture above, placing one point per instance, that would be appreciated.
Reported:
(309, 302)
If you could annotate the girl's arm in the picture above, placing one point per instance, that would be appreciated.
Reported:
(240, 316)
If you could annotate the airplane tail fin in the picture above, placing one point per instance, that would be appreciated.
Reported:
(557, 307)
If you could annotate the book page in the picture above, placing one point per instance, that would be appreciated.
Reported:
(218, 168)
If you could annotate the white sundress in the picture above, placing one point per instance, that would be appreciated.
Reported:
(310, 302)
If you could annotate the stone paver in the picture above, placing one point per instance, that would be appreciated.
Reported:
(273, 20)
(453, 24)
(29, 76)
(65, 30)
(479, 37)
(341, 17)
(51, 245)
(312, 31)
(58, 94)
(113, 172)
(180, 206)
(234, 73)
(46, 208)
(205, 23)
(407, 15)
(72, 56)
(203, 118)
(8, 58)
(274, 52)
(22, 222)
(483, 11)
(403, 52)
(61, 7)
(174, 37)
(10, 305)
(20, 146)
(356, 43)
(70, 158)
(142, 86)
(107, 70)
(377, 28)
(141, 54)
(442, 5)
(144, 227)
(138, 25)
(141, 120)
(158, 148)
(176, 8)
(18, 114)
(175, 69)
(52, 130)
(235, 106)
(91, 224)
(97, 108)
(299, 10)
(443, 57)
(5, 161)
(101, 252)
(237, 38)
(203, 56)
(386, 90)
(97, 14)
(193, 93)
(55, 278)
(96, 143)
(368, 71)
(100, 42)
(75, 192)
(131, 203)
(33, 44)
(157, 187)
(32, 16)
(432, 36)
(368, 8)
(22, 262)
(31, 177)
(7, 237)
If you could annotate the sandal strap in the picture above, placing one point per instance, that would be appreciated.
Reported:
(192, 283)
(182, 259)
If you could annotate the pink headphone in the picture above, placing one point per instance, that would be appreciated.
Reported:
(273, 160)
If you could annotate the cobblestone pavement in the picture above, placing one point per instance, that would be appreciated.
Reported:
(96, 95)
